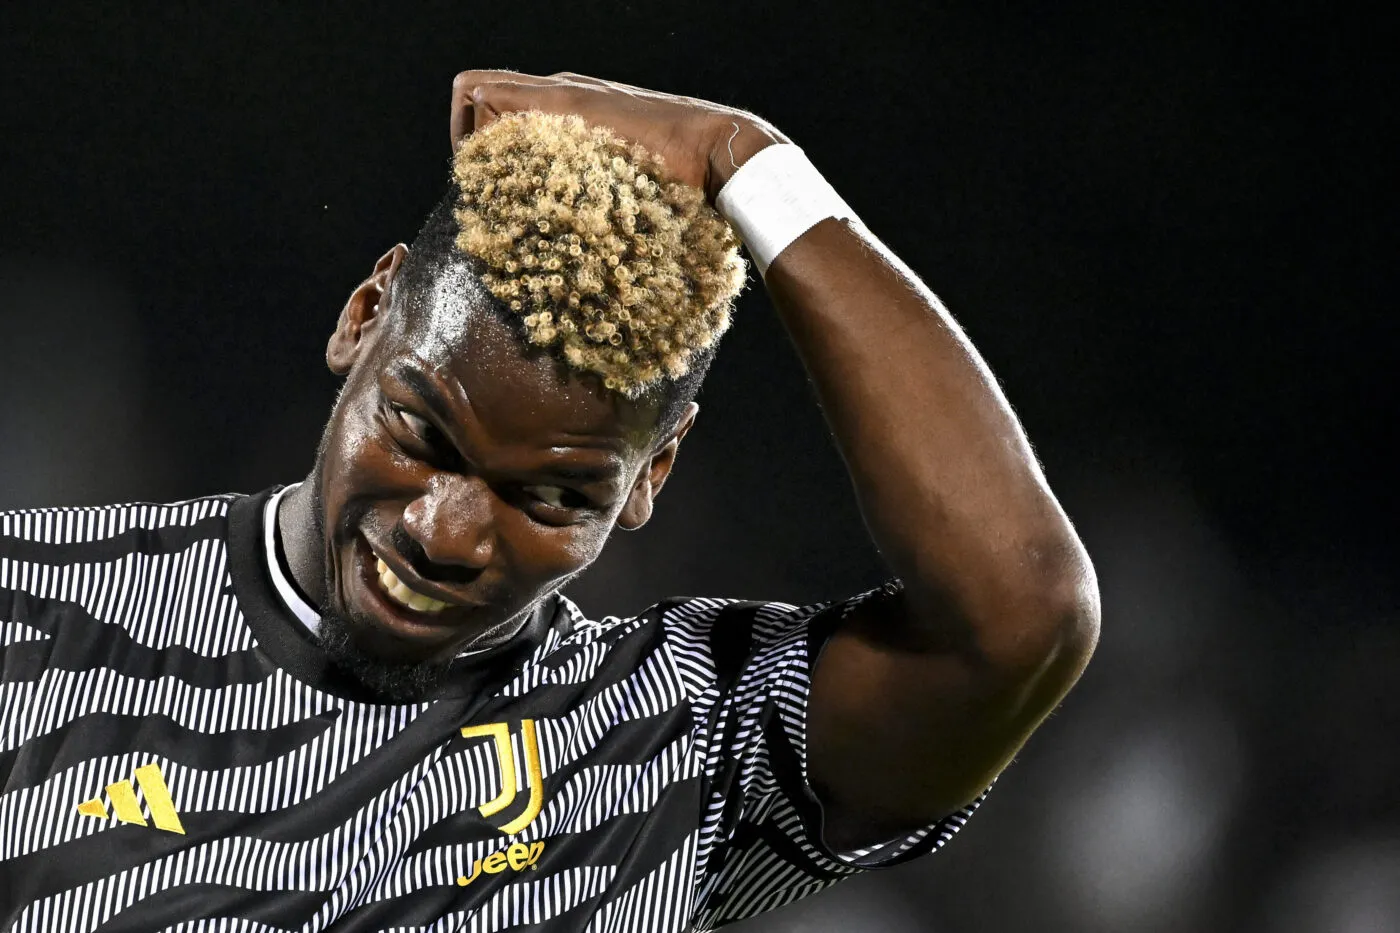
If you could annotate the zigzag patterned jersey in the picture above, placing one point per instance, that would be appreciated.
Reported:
(176, 755)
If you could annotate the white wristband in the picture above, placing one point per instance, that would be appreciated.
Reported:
(774, 198)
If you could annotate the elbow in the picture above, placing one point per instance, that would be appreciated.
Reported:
(1045, 628)
(1060, 628)
(1031, 610)
(1077, 606)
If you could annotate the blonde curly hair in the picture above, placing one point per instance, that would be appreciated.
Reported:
(617, 269)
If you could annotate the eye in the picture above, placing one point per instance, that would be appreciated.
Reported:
(556, 496)
(417, 435)
(419, 426)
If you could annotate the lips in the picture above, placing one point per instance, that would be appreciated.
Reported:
(391, 605)
(404, 595)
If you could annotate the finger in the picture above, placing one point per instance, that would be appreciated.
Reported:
(461, 121)
(598, 84)
(477, 76)
(489, 101)
(467, 112)
(632, 90)
(574, 77)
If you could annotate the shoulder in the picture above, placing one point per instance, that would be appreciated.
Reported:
(58, 525)
(713, 643)
(723, 627)
(146, 574)
(679, 625)
(687, 619)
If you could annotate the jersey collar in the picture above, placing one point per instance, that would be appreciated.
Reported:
(288, 640)
(298, 607)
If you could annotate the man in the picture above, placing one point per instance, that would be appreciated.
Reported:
(359, 703)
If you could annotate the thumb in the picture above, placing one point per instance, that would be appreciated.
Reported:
(476, 106)
(470, 112)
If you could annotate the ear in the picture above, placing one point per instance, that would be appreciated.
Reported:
(363, 313)
(637, 510)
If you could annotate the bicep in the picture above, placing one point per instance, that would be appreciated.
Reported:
(899, 736)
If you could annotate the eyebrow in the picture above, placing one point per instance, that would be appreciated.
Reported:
(583, 474)
(427, 390)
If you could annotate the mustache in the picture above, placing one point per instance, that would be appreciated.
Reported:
(413, 554)
(362, 515)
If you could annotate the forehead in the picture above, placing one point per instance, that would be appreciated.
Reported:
(455, 335)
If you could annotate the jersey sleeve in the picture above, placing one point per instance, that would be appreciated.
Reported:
(748, 667)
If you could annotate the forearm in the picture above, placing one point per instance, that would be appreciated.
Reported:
(945, 477)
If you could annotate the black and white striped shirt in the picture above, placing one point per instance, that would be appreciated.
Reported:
(177, 755)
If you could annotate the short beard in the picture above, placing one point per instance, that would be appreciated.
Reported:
(397, 683)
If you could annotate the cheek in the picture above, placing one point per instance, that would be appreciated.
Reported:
(551, 553)
(361, 465)
(365, 451)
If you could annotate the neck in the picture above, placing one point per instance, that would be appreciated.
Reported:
(300, 537)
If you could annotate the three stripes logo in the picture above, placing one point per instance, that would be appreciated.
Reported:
(505, 754)
(126, 806)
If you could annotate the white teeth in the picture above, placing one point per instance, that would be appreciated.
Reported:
(404, 596)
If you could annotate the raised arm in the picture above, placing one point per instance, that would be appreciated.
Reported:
(999, 611)
(937, 688)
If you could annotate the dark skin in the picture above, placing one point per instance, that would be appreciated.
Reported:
(942, 686)
(479, 471)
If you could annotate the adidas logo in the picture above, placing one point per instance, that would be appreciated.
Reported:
(127, 808)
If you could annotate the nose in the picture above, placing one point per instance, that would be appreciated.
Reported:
(453, 522)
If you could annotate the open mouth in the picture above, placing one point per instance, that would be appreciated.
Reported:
(404, 595)
(403, 610)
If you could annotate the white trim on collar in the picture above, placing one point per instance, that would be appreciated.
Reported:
(290, 597)
(293, 601)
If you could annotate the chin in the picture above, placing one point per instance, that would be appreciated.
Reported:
(396, 677)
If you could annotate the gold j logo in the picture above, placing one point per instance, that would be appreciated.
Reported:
(505, 754)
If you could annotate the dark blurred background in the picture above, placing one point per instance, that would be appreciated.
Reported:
(1163, 228)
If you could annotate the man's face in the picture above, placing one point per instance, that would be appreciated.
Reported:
(463, 477)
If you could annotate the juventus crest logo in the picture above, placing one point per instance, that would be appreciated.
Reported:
(505, 754)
